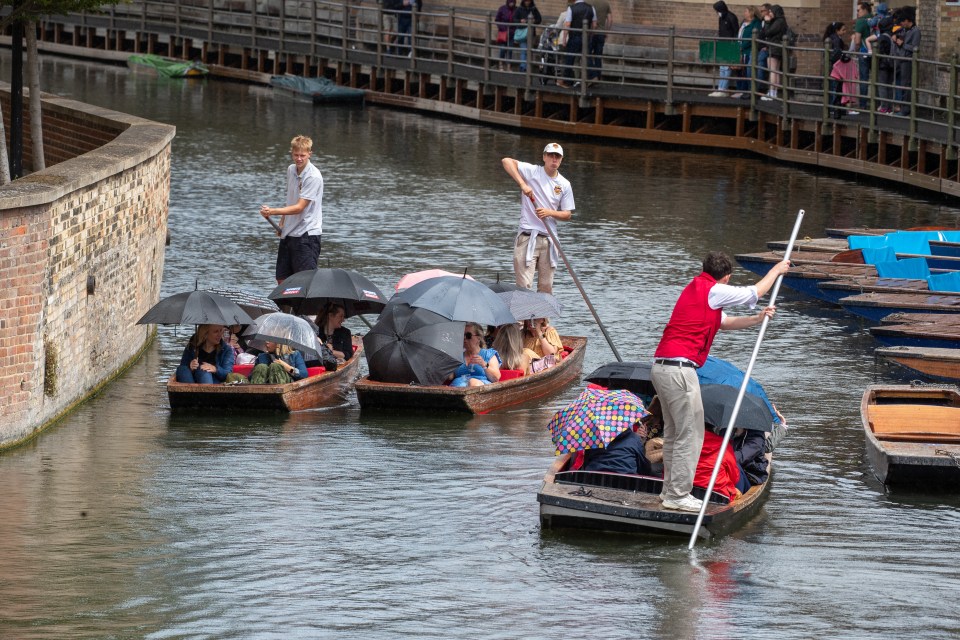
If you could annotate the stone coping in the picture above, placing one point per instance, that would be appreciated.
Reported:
(137, 140)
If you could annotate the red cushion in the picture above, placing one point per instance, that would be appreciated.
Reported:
(510, 374)
(314, 371)
(243, 369)
(591, 385)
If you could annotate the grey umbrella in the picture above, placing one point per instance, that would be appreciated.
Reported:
(409, 345)
(457, 298)
(527, 305)
(196, 307)
(282, 328)
(255, 305)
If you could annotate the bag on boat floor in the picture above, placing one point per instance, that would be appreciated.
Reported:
(235, 378)
(543, 363)
(327, 360)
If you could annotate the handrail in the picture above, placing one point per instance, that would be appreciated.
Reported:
(664, 59)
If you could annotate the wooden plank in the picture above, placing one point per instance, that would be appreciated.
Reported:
(913, 418)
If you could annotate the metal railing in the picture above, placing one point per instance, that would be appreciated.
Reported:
(652, 63)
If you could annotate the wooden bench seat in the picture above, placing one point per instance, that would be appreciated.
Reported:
(903, 421)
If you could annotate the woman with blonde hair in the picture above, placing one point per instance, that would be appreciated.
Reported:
(509, 346)
(480, 366)
(206, 359)
(278, 365)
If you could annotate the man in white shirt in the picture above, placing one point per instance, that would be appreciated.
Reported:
(547, 196)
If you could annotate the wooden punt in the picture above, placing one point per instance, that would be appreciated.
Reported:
(913, 434)
(808, 279)
(939, 364)
(844, 232)
(760, 263)
(921, 318)
(931, 334)
(629, 503)
(829, 245)
(876, 306)
(833, 290)
(490, 397)
(317, 391)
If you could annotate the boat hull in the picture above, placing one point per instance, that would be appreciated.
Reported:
(938, 364)
(405, 397)
(311, 393)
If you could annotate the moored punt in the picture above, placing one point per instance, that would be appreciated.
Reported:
(939, 364)
(316, 391)
(931, 334)
(828, 245)
(876, 306)
(489, 397)
(833, 290)
(808, 279)
(844, 232)
(620, 502)
(761, 262)
(317, 90)
(921, 318)
(913, 434)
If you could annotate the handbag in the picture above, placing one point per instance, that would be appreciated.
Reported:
(543, 363)
(502, 37)
(520, 35)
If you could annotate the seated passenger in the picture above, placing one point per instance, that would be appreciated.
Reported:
(480, 366)
(541, 338)
(749, 449)
(332, 332)
(729, 476)
(623, 455)
(207, 358)
(509, 346)
(278, 365)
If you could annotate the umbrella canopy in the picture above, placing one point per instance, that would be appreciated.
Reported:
(417, 277)
(502, 286)
(594, 419)
(718, 402)
(632, 376)
(254, 304)
(282, 328)
(458, 298)
(196, 307)
(413, 345)
(308, 292)
(527, 305)
(718, 371)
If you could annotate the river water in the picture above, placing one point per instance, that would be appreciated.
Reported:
(125, 520)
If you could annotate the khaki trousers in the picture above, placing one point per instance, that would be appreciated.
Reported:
(679, 391)
(540, 265)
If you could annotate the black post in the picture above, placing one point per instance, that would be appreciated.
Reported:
(16, 99)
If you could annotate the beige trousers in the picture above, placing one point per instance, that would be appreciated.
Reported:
(679, 391)
(540, 265)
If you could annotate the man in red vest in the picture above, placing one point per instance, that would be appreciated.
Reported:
(684, 347)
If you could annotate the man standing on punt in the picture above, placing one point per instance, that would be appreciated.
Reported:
(546, 194)
(684, 347)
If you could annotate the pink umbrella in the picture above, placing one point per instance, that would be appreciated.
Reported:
(411, 279)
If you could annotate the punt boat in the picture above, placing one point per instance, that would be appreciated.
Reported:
(834, 290)
(478, 400)
(939, 364)
(325, 389)
(317, 90)
(875, 306)
(155, 65)
(630, 503)
(936, 334)
(913, 434)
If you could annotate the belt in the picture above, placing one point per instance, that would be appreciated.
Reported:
(675, 363)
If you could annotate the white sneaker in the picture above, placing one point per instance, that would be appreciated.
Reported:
(737, 96)
(767, 98)
(686, 503)
(717, 94)
(851, 112)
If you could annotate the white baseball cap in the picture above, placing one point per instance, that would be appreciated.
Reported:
(553, 147)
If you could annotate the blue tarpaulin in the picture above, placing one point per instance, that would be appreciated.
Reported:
(880, 254)
(863, 242)
(913, 268)
(945, 282)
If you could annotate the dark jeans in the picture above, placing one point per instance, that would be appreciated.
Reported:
(574, 51)
(864, 66)
(595, 62)
(404, 24)
(197, 376)
(297, 253)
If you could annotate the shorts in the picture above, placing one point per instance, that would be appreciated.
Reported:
(390, 24)
(297, 253)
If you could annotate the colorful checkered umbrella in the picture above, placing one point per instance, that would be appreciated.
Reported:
(594, 419)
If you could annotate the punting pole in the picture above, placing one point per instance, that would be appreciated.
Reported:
(576, 281)
(273, 224)
(743, 387)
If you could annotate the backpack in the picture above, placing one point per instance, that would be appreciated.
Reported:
(790, 37)
(884, 46)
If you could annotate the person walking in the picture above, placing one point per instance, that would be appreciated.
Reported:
(302, 221)
(684, 347)
(547, 197)
(579, 16)
(599, 40)
(728, 29)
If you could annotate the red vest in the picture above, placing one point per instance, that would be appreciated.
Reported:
(692, 325)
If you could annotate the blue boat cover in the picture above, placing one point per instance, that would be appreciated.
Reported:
(862, 242)
(880, 254)
(913, 268)
(951, 236)
(945, 282)
(916, 242)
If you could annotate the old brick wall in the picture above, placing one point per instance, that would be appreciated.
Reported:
(81, 246)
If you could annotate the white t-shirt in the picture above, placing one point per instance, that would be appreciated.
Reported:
(551, 193)
(309, 186)
(722, 296)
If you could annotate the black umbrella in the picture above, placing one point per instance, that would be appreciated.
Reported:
(527, 305)
(196, 307)
(718, 401)
(254, 304)
(308, 292)
(413, 345)
(457, 298)
(632, 376)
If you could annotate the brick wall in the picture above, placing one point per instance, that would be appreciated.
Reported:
(81, 258)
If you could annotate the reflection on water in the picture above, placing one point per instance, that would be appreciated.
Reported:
(129, 520)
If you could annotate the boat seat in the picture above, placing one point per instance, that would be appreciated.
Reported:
(904, 421)
(243, 369)
(510, 374)
(315, 371)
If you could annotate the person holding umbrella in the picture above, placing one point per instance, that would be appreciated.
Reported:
(547, 196)
(684, 347)
(207, 358)
(332, 332)
(299, 247)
